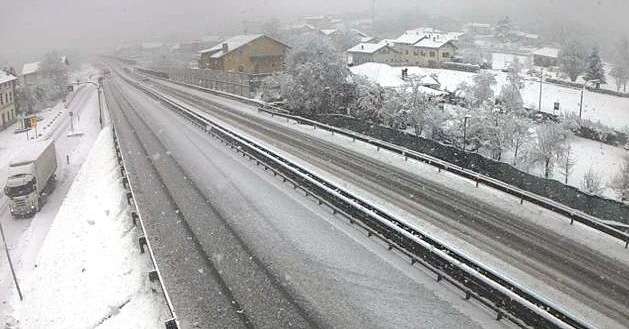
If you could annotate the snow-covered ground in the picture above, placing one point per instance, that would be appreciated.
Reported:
(25, 236)
(610, 110)
(502, 60)
(90, 272)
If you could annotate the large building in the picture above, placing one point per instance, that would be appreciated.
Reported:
(252, 54)
(7, 99)
(419, 47)
(546, 57)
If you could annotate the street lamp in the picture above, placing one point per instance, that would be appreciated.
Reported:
(583, 91)
(465, 118)
(99, 88)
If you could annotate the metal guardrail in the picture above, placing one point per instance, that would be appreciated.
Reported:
(500, 294)
(571, 213)
(136, 216)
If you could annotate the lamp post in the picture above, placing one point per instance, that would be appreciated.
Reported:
(465, 118)
(582, 92)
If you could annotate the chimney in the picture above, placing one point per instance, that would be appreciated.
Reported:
(225, 47)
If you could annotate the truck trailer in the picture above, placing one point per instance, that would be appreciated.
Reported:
(31, 178)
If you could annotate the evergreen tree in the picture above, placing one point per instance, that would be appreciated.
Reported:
(620, 68)
(595, 70)
(504, 28)
(572, 59)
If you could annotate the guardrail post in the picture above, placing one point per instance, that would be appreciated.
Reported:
(439, 277)
(498, 315)
(142, 243)
(468, 295)
(134, 218)
(476, 181)
(171, 324)
(153, 276)
(571, 219)
(626, 244)
(521, 200)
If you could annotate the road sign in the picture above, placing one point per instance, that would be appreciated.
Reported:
(33, 122)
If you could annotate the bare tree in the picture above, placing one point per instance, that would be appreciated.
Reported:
(567, 163)
(592, 182)
(550, 145)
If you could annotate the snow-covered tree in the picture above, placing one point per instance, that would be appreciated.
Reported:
(520, 135)
(318, 79)
(504, 29)
(496, 132)
(620, 182)
(595, 70)
(369, 102)
(620, 68)
(592, 182)
(550, 145)
(510, 96)
(53, 76)
(572, 59)
(567, 163)
(620, 73)
(480, 91)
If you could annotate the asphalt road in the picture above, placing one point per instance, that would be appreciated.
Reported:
(596, 280)
(238, 248)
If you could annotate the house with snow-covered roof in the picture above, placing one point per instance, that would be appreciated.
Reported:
(433, 52)
(373, 53)
(250, 53)
(546, 57)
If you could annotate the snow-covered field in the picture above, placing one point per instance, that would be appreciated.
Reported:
(90, 272)
(610, 110)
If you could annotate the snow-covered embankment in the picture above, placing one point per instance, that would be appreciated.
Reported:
(89, 273)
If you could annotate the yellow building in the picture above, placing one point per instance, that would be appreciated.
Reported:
(7, 99)
(252, 54)
(432, 52)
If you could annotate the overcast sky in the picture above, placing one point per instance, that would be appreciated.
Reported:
(29, 27)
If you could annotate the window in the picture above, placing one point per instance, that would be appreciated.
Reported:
(445, 55)
(432, 54)
(241, 68)
(423, 53)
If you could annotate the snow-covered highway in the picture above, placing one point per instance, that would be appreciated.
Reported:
(284, 261)
(585, 277)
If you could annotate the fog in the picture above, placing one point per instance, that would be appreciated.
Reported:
(28, 28)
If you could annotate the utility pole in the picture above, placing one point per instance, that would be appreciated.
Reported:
(6, 249)
(582, 92)
(467, 117)
(541, 83)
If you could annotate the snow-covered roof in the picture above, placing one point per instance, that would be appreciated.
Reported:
(433, 43)
(328, 31)
(360, 33)
(409, 38)
(423, 30)
(547, 52)
(367, 39)
(233, 43)
(366, 48)
(29, 68)
(6, 77)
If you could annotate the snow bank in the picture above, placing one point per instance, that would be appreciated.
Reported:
(89, 272)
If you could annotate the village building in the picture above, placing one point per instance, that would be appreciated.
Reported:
(546, 57)
(8, 106)
(252, 54)
(374, 53)
(478, 28)
(433, 52)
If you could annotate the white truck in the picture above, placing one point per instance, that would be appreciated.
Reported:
(31, 178)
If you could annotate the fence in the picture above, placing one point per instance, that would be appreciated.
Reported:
(241, 84)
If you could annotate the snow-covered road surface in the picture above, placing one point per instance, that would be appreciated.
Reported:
(534, 247)
(25, 236)
(335, 275)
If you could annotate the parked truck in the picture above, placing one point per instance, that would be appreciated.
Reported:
(31, 178)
